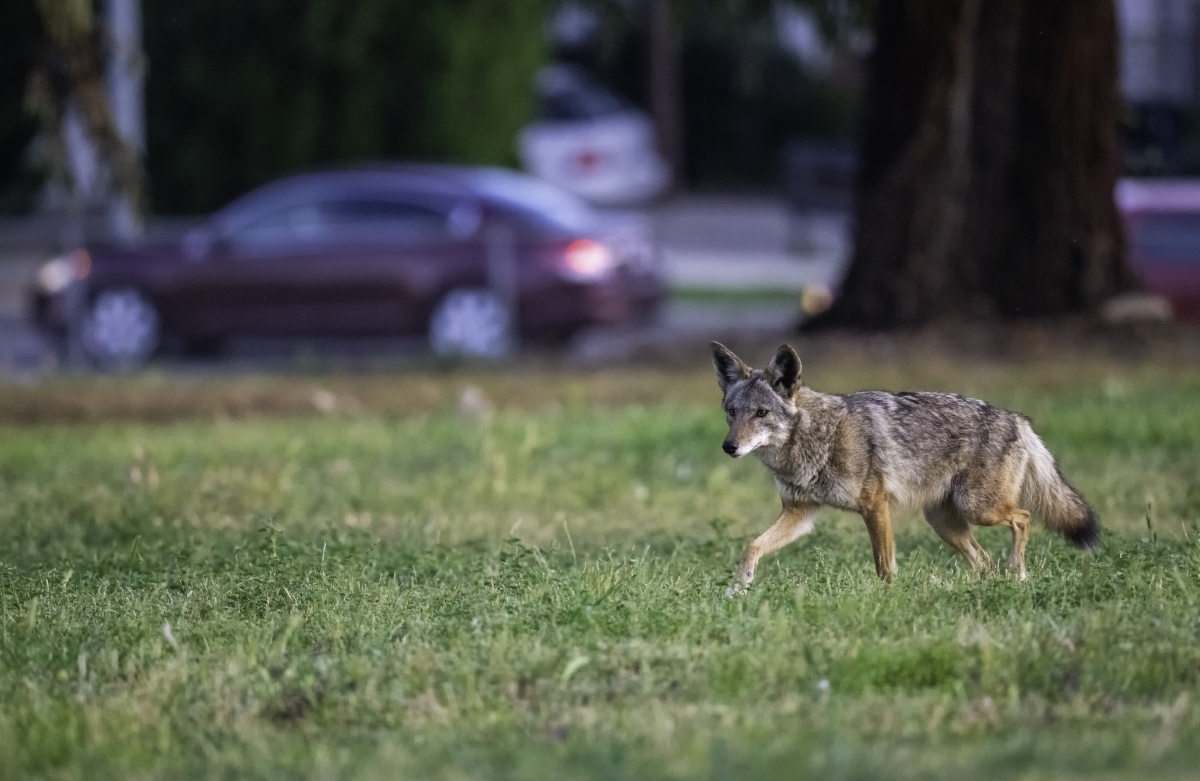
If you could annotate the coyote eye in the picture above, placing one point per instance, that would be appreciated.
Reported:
(762, 413)
(730, 411)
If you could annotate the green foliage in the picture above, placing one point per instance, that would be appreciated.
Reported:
(484, 94)
(239, 93)
(541, 594)
(65, 21)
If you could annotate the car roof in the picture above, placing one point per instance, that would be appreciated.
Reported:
(1158, 195)
(504, 189)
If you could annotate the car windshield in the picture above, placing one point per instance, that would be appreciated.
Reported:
(568, 92)
(543, 202)
(569, 105)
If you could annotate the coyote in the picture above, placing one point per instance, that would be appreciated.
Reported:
(964, 462)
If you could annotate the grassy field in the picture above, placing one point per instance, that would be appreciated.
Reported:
(352, 577)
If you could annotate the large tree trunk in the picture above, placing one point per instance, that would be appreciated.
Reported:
(989, 157)
(665, 89)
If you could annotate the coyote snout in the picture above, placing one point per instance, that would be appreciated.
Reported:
(960, 460)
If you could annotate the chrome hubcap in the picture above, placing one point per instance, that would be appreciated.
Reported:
(471, 322)
(120, 327)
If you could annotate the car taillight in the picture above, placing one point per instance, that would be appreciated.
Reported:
(587, 260)
(587, 161)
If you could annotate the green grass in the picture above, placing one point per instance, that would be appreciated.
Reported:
(540, 593)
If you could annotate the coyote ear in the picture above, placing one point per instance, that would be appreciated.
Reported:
(729, 367)
(784, 371)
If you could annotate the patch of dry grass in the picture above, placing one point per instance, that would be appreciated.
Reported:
(835, 365)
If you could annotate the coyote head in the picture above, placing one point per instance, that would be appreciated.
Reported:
(759, 403)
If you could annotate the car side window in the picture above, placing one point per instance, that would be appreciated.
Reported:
(383, 219)
(349, 219)
(288, 223)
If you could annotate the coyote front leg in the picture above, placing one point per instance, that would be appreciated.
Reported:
(794, 522)
(876, 512)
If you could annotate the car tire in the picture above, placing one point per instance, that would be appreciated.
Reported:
(120, 329)
(473, 323)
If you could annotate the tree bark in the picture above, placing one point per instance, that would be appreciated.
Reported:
(72, 72)
(988, 161)
(664, 85)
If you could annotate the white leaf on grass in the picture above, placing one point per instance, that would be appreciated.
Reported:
(573, 667)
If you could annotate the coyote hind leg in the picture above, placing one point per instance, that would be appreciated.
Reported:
(956, 532)
(794, 522)
(1016, 519)
(991, 498)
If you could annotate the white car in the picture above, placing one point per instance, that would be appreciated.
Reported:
(590, 142)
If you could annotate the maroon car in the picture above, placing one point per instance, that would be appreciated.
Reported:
(470, 257)
(1162, 221)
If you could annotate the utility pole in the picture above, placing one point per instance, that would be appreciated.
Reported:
(125, 79)
(663, 56)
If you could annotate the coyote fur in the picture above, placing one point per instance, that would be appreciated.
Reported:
(960, 460)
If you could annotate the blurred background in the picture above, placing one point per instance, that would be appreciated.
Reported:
(208, 183)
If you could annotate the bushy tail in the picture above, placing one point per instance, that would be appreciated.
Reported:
(1047, 495)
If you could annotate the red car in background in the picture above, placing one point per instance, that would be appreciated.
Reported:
(472, 258)
(1162, 221)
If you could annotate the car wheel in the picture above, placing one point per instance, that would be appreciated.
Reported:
(120, 329)
(471, 322)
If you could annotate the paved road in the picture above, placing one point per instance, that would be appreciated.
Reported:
(738, 242)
